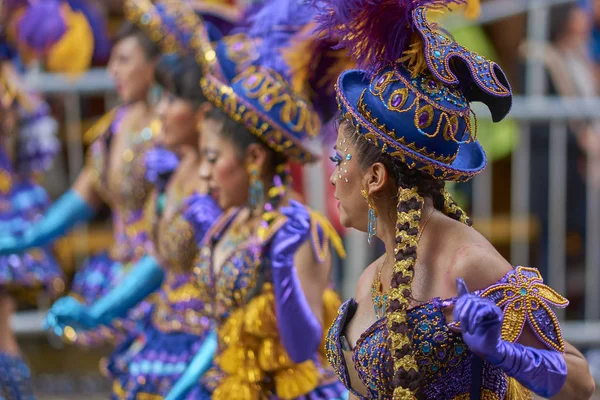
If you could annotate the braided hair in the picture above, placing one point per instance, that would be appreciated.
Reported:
(413, 187)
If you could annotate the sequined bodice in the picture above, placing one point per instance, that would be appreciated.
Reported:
(229, 288)
(173, 237)
(448, 368)
(444, 360)
(179, 307)
(126, 190)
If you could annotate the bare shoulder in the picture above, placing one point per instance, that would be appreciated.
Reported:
(363, 287)
(474, 259)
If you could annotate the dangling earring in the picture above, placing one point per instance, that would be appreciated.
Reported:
(257, 190)
(372, 215)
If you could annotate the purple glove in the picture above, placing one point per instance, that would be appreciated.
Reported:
(542, 371)
(160, 164)
(201, 211)
(300, 330)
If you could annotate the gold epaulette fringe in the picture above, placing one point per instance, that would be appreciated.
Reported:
(99, 126)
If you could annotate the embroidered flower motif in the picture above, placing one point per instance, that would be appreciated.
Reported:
(525, 298)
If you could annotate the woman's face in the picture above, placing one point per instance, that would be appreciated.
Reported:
(178, 118)
(347, 180)
(222, 168)
(132, 71)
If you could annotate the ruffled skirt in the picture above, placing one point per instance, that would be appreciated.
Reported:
(151, 362)
(25, 275)
(99, 274)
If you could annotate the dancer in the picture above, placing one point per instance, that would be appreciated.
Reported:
(155, 355)
(414, 329)
(27, 146)
(114, 174)
(263, 270)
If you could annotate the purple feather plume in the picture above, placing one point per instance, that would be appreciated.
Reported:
(42, 25)
(376, 32)
(276, 23)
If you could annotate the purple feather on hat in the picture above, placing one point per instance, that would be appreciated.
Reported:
(276, 23)
(42, 25)
(376, 32)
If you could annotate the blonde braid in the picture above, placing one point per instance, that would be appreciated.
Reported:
(406, 370)
(453, 210)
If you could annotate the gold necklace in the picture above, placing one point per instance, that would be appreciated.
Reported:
(379, 298)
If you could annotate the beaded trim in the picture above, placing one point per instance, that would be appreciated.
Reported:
(406, 155)
(440, 50)
(145, 14)
(259, 123)
(522, 296)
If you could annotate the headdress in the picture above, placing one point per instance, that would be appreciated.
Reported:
(259, 95)
(416, 106)
(411, 99)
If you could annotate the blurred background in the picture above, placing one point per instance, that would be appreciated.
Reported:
(538, 201)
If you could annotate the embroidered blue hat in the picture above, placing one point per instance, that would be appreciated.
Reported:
(246, 77)
(414, 102)
(160, 20)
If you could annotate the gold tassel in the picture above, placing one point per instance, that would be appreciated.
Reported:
(297, 381)
(272, 356)
(99, 127)
(259, 316)
(231, 331)
(241, 361)
(235, 388)
(516, 391)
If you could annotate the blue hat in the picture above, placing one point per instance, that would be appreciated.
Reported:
(423, 116)
(160, 20)
(248, 79)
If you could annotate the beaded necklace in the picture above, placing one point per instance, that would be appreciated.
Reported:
(379, 298)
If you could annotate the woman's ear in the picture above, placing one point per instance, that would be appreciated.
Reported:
(257, 154)
(375, 179)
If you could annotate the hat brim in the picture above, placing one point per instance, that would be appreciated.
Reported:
(469, 161)
(221, 94)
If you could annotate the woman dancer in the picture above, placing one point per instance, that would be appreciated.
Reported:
(114, 174)
(414, 330)
(154, 356)
(27, 146)
(263, 269)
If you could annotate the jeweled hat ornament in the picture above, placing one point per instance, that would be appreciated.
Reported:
(412, 95)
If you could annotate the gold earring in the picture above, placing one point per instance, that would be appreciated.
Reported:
(372, 215)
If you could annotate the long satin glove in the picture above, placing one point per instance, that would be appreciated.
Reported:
(61, 217)
(197, 367)
(143, 279)
(201, 211)
(299, 328)
(542, 371)
(160, 165)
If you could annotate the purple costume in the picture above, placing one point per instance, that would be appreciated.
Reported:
(153, 358)
(126, 192)
(240, 300)
(449, 369)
